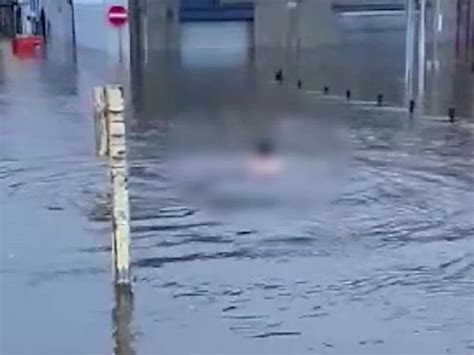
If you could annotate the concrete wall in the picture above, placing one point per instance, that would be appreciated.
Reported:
(306, 23)
(59, 16)
(313, 22)
(449, 15)
(162, 24)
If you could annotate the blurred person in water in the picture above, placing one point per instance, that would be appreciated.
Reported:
(264, 162)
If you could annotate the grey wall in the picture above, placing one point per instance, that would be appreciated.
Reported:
(162, 24)
(309, 23)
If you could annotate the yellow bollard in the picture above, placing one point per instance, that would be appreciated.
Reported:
(115, 123)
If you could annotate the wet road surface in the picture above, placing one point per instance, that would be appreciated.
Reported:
(377, 260)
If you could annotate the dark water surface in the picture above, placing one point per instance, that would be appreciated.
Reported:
(364, 245)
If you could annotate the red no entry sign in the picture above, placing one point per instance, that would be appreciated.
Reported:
(117, 15)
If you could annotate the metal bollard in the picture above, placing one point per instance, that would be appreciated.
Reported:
(452, 114)
(299, 84)
(326, 90)
(348, 94)
(412, 106)
(379, 100)
(279, 76)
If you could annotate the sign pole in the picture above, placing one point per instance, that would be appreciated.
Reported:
(117, 16)
(120, 45)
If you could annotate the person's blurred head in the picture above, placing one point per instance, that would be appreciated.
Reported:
(265, 148)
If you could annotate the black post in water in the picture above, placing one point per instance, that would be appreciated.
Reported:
(452, 114)
(348, 94)
(279, 75)
(300, 84)
(326, 90)
(379, 99)
(412, 106)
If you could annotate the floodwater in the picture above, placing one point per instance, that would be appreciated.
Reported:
(362, 245)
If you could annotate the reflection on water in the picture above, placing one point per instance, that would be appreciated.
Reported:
(122, 318)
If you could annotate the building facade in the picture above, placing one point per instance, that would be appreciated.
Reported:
(84, 23)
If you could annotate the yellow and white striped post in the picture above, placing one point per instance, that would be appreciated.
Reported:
(115, 123)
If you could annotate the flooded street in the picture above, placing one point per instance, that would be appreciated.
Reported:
(363, 244)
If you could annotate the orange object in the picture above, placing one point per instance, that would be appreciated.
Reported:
(26, 45)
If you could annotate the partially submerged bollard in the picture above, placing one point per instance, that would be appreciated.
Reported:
(452, 114)
(412, 106)
(112, 143)
(379, 99)
(279, 75)
(348, 94)
(118, 178)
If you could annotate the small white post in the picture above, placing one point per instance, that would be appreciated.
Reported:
(100, 124)
(118, 177)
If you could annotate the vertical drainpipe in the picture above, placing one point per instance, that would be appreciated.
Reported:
(422, 49)
(409, 48)
(436, 30)
(458, 27)
(472, 37)
(468, 26)
(134, 32)
(292, 10)
(73, 29)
